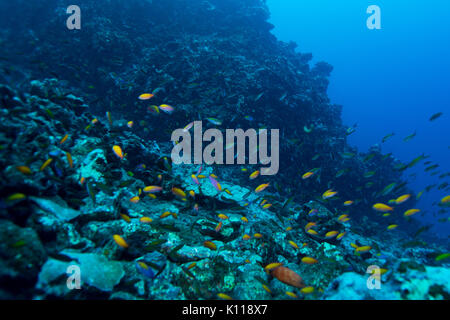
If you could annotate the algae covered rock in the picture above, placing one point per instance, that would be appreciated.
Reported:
(21, 255)
(96, 270)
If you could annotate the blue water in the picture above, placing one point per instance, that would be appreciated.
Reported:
(388, 80)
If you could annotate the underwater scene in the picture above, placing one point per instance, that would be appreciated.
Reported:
(224, 150)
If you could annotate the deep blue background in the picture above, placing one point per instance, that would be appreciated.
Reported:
(388, 80)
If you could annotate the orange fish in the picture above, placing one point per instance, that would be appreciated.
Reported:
(210, 245)
(287, 276)
(218, 227)
(69, 159)
(244, 219)
(246, 237)
(257, 235)
(118, 151)
(24, 169)
(193, 264)
(64, 139)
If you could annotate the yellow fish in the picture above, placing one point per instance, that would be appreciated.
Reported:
(45, 164)
(328, 194)
(146, 96)
(118, 152)
(152, 189)
(392, 226)
(257, 235)
(445, 199)
(16, 196)
(244, 219)
(342, 217)
(402, 198)
(292, 243)
(363, 249)
(312, 231)
(381, 207)
(222, 216)
(125, 217)
(291, 294)
(340, 235)
(307, 175)
(272, 265)
(224, 296)
(310, 225)
(178, 192)
(309, 260)
(267, 206)
(307, 290)
(145, 220)
(331, 234)
(410, 212)
(165, 215)
(261, 187)
(135, 199)
(266, 288)
(254, 175)
(348, 203)
(246, 237)
(120, 241)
